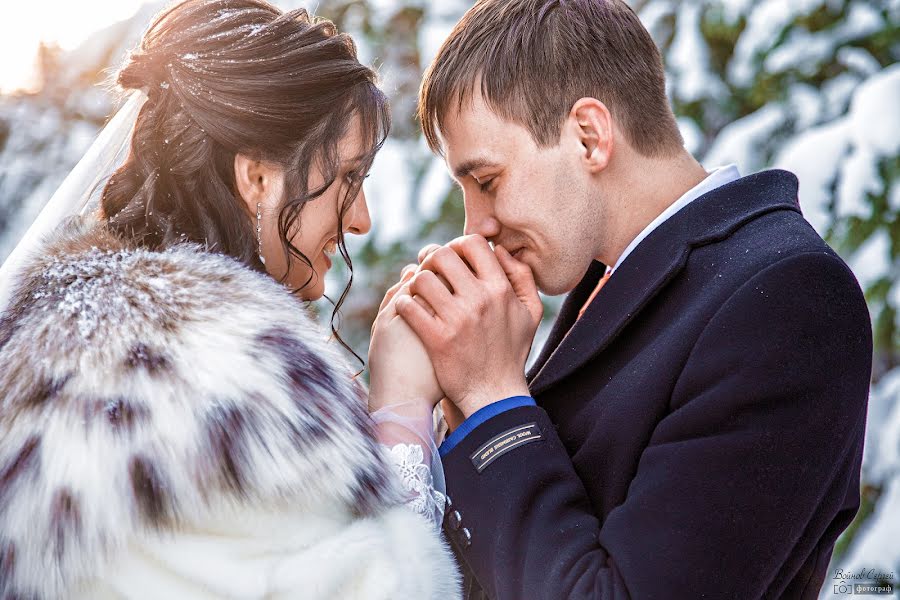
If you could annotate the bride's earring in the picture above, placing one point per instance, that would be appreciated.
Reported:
(259, 232)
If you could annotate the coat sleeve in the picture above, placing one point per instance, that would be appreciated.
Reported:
(767, 415)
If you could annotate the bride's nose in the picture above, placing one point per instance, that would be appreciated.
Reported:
(360, 221)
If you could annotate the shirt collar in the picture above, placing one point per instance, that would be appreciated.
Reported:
(716, 178)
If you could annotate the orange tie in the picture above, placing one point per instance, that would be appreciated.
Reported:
(593, 295)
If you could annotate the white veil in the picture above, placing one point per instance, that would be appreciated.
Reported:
(78, 192)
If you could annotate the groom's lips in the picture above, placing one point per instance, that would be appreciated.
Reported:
(514, 251)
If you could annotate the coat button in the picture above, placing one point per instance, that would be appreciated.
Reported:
(455, 519)
(465, 538)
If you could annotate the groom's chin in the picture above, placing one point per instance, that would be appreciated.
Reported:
(556, 280)
(553, 286)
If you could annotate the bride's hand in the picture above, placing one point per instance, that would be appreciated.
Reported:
(405, 274)
(399, 368)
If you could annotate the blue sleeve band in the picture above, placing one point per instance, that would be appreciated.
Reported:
(480, 416)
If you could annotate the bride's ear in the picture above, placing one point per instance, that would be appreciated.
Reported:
(257, 181)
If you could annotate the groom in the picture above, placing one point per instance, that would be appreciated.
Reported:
(693, 427)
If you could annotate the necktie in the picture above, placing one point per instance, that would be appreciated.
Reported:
(593, 295)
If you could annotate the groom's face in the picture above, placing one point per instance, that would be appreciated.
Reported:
(538, 203)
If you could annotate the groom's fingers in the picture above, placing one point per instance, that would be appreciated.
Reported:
(522, 281)
(477, 252)
(390, 308)
(451, 269)
(424, 304)
(423, 324)
(426, 251)
(406, 291)
(432, 290)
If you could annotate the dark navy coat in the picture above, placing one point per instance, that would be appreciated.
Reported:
(697, 434)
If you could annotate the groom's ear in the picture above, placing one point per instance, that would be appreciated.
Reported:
(591, 128)
(256, 180)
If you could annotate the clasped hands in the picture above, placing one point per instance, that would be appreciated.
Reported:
(459, 325)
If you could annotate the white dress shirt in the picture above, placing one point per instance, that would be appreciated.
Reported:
(717, 177)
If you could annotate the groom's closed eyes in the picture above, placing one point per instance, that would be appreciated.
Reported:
(470, 166)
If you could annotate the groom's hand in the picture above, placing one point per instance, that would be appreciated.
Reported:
(478, 326)
(406, 274)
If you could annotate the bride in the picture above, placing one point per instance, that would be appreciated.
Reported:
(172, 425)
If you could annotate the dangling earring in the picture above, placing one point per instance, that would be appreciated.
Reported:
(259, 232)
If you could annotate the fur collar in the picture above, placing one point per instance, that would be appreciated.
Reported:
(143, 391)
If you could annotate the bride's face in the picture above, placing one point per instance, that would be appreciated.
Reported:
(319, 219)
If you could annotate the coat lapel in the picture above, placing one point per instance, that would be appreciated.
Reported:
(652, 265)
(567, 313)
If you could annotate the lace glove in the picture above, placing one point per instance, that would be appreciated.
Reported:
(406, 433)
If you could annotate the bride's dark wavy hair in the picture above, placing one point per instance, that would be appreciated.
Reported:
(238, 76)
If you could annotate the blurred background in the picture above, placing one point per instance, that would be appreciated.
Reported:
(812, 86)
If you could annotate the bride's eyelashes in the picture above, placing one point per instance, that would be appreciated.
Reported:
(354, 177)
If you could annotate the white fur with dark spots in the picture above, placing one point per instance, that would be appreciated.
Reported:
(144, 391)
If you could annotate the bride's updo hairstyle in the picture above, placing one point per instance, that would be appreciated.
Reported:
(237, 76)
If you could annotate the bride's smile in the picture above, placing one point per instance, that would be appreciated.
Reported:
(316, 234)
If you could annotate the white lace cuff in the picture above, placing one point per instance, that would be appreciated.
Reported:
(407, 437)
(418, 482)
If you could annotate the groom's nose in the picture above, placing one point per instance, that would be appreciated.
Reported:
(480, 220)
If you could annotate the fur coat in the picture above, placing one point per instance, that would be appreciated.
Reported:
(172, 425)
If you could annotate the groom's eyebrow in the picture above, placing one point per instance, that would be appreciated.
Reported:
(472, 165)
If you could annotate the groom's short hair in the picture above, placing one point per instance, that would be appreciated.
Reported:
(533, 59)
